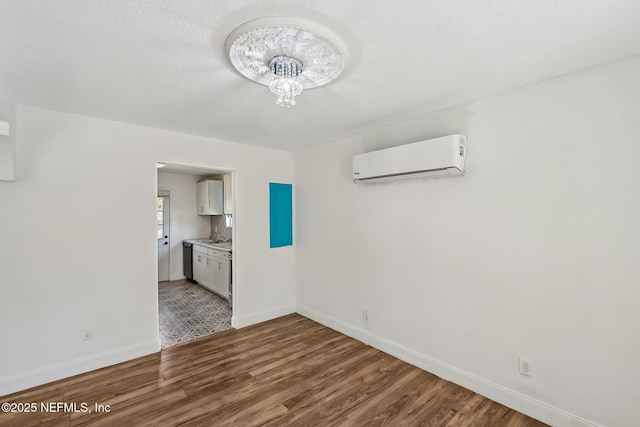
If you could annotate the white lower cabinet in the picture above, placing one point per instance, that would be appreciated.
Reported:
(211, 269)
(199, 266)
(220, 262)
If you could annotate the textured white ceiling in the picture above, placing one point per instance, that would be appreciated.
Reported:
(162, 63)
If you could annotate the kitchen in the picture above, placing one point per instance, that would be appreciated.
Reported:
(195, 230)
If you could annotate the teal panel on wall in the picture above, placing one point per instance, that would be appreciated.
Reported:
(280, 215)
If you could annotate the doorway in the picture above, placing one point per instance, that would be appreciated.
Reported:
(193, 302)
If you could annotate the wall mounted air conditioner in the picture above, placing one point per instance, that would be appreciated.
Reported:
(433, 157)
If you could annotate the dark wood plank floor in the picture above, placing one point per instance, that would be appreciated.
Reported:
(288, 371)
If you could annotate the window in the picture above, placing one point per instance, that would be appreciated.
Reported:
(160, 217)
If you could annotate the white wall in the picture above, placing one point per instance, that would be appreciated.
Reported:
(7, 143)
(78, 241)
(185, 223)
(533, 252)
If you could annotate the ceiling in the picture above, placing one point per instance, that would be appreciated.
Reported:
(190, 170)
(162, 63)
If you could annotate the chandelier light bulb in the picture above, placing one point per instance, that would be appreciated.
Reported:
(285, 83)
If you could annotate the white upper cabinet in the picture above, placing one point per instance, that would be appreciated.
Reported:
(210, 195)
(228, 195)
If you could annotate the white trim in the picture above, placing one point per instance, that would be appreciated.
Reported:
(263, 316)
(511, 398)
(62, 370)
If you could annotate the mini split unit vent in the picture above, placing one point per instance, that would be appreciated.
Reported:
(433, 157)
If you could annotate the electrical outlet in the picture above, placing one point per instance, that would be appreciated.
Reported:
(87, 333)
(365, 316)
(525, 367)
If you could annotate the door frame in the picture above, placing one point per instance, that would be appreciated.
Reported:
(234, 190)
(167, 228)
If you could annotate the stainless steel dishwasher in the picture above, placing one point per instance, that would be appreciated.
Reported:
(187, 260)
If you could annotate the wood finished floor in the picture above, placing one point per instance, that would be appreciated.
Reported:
(286, 372)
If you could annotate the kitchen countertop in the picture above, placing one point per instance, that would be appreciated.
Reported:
(207, 243)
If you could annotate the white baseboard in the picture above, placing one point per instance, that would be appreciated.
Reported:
(510, 398)
(62, 370)
(263, 316)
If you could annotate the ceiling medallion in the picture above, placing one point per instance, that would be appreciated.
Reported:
(286, 54)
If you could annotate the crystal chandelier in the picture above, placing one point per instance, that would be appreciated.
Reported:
(285, 83)
(288, 55)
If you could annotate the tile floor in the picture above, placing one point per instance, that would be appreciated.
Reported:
(188, 311)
